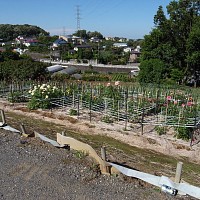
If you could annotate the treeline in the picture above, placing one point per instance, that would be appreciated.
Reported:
(171, 52)
(18, 68)
(9, 32)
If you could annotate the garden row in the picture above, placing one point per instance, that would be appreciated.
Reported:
(158, 106)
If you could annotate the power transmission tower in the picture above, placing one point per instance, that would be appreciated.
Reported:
(64, 31)
(78, 18)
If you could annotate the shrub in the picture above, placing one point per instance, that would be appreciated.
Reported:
(73, 112)
(41, 96)
(107, 119)
(16, 97)
(183, 133)
(81, 154)
(161, 130)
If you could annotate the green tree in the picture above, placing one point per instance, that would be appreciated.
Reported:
(193, 49)
(177, 75)
(105, 57)
(95, 34)
(10, 55)
(9, 32)
(24, 69)
(169, 40)
(81, 33)
(152, 71)
(85, 53)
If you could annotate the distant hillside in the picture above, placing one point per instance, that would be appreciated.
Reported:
(9, 32)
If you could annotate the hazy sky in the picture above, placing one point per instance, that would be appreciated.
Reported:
(122, 18)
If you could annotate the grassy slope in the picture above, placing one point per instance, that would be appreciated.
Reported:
(140, 159)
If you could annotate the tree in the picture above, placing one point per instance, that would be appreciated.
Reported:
(85, 53)
(169, 40)
(24, 69)
(81, 33)
(193, 49)
(10, 55)
(95, 34)
(105, 57)
(152, 71)
(9, 32)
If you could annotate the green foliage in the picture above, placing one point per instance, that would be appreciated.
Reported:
(9, 32)
(41, 96)
(107, 119)
(89, 34)
(95, 77)
(9, 55)
(39, 49)
(193, 48)
(91, 71)
(151, 71)
(105, 57)
(46, 39)
(16, 97)
(175, 40)
(60, 77)
(81, 33)
(161, 130)
(24, 69)
(73, 112)
(120, 77)
(112, 92)
(183, 133)
(85, 53)
(81, 154)
(177, 75)
(94, 34)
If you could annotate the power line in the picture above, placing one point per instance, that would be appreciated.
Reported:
(100, 9)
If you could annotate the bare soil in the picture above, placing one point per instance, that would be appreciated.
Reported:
(166, 144)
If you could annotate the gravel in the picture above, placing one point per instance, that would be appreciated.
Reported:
(32, 169)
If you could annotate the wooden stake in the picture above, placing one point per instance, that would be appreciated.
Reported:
(3, 117)
(103, 153)
(23, 130)
(178, 172)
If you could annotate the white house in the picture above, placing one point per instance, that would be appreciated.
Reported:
(127, 49)
(120, 44)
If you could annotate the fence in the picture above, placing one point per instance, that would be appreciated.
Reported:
(155, 106)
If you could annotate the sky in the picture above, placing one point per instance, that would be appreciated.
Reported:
(130, 19)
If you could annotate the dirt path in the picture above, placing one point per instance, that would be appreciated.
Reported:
(31, 169)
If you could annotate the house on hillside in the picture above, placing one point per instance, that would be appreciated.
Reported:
(95, 39)
(110, 38)
(122, 39)
(134, 56)
(58, 42)
(55, 55)
(120, 44)
(26, 41)
(30, 42)
(84, 46)
(127, 49)
(72, 39)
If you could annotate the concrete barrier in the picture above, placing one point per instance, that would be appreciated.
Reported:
(80, 146)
